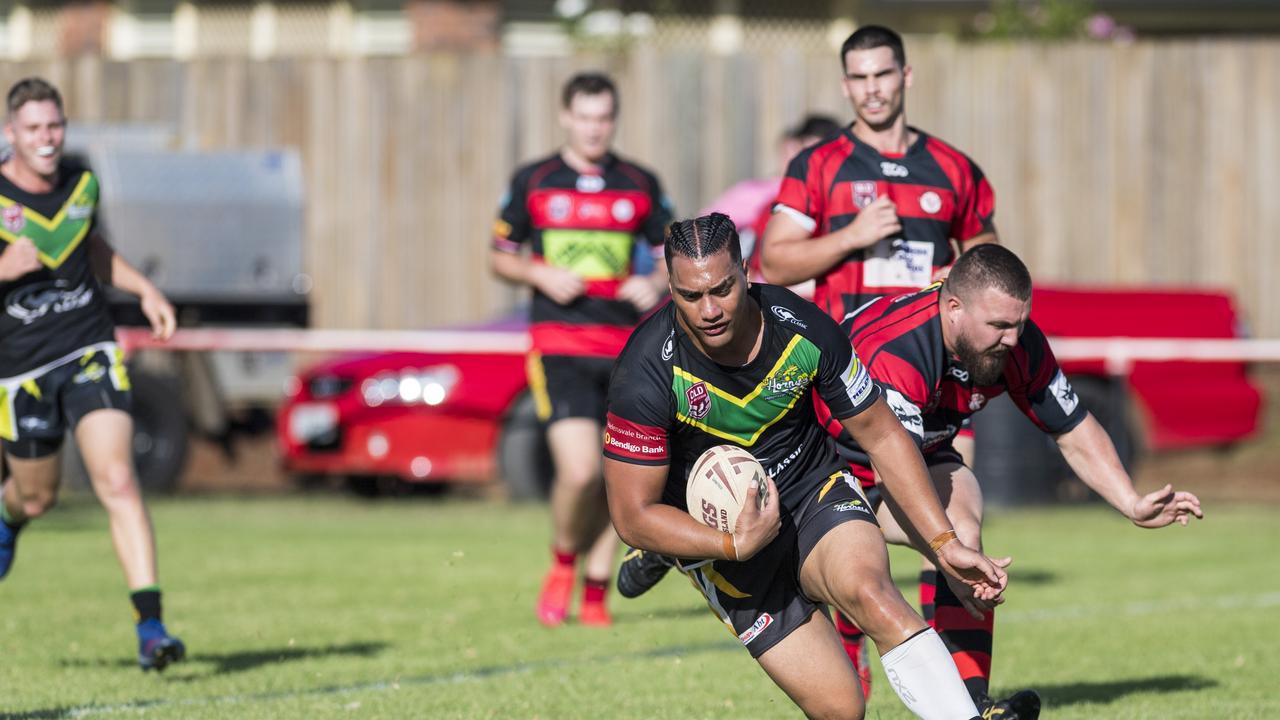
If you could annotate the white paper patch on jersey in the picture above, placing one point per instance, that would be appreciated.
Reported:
(907, 412)
(902, 263)
(1064, 393)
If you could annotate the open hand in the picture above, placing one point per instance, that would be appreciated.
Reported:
(1165, 507)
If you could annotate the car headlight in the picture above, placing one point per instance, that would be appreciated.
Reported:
(429, 386)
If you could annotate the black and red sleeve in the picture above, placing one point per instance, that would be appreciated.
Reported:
(1038, 386)
(975, 205)
(802, 196)
(661, 213)
(513, 227)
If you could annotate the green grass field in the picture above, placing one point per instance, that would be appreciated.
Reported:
(334, 608)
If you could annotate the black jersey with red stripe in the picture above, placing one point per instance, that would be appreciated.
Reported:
(930, 390)
(586, 223)
(940, 195)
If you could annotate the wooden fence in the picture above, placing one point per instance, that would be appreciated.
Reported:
(1143, 163)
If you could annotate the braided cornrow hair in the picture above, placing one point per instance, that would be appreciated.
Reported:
(702, 237)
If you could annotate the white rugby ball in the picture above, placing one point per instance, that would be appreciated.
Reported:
(718, 483)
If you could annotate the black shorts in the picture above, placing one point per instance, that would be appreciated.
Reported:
(38, 408)
(569, 386)
(942, 456)
(760, 600)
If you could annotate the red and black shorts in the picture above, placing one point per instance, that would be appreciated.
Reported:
(760, 599)
(37, 408)
(569, 386)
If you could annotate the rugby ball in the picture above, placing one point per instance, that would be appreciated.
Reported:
(718, 483)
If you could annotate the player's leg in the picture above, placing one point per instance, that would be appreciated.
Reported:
(968, 639)
(96, 404)
(810, 667)
(848, 568)
(852, 638)
(579, 512)
(29, 491)
(32, 427)
(105, 439)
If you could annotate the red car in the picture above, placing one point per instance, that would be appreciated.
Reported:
(468, 417)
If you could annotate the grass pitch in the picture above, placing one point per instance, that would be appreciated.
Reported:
(334, 608)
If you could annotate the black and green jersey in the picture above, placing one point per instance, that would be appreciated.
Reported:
(669, 402)
(58, 308)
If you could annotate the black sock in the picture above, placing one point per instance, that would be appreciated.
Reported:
(146, 603)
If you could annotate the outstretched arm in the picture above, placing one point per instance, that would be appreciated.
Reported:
(898, 463)
(1091, 455)
(115, 271)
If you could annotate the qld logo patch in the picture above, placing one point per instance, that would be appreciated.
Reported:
(864, 193)
(699, 400)
(14, 219)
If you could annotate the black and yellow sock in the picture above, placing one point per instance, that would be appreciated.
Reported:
(146, 603)
(7, 519)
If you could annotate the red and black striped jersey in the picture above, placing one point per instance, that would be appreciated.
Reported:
(931, 392)
(588, 224)
(940, 195)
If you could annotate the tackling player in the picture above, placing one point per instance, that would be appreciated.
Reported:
(728, 361)
(60, 368)
(940, 355)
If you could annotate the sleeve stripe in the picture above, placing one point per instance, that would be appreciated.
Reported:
(806, 222)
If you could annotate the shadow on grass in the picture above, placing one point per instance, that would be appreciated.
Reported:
(232, 662)
(1107, 692)
(482, 673)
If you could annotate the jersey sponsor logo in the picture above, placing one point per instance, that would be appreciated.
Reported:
(623, 210)
(699, 400)
(900, 263)
(591, 254)
(858, 383)
(777, 469)
(850, 506)
(14, 218)
(864, 193)
(589, 183)
(930, 202)
(92, 373)
(893, 169)
(907, 412)
(669, 347)
(29, 303)
(634, 441)
(790, 381)
(757, 627)
(79, 210)
(32, 423)
(977, 401)
(786, 315)
(1064, 393)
